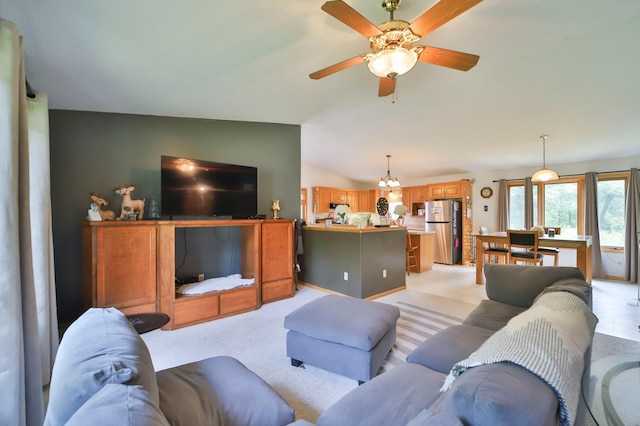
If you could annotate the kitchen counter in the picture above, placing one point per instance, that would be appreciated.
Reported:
(361, 263)
(351, 228)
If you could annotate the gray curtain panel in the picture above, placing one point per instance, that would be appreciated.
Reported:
(632, 228)
(528, 203)
(591, 221)
(503, 206)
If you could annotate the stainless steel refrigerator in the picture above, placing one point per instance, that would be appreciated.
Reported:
(445, 219)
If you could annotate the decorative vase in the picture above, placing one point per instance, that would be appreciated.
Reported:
(400, 220)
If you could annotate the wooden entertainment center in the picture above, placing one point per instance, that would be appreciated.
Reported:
(131, 266)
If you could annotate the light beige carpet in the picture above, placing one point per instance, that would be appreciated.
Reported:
(258, 339)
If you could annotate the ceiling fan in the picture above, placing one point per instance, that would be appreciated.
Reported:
(393, 52)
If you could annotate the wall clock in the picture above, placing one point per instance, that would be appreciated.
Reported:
(486, 192)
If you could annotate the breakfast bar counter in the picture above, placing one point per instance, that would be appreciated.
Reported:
(362, 263)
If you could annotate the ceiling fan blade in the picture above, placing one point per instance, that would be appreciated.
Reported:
(387, 86)
(448, 58)
(441, 13)
(348, 16)
(336, 67)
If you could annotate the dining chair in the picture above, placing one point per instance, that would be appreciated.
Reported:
(523, 247)
(546, 251)
(411, 260)
(498, 252)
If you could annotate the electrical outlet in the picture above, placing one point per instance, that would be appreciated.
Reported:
(346, 276)
(384, 273)
(200, 277)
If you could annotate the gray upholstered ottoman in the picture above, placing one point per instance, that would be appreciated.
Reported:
(347, 336)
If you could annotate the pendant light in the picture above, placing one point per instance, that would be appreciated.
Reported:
(388, 181)
(544, 174)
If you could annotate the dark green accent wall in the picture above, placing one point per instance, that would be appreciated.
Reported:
(94, 152)
(328, 255)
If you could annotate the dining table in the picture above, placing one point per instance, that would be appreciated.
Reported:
(580, 243)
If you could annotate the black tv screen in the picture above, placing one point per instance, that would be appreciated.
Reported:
(203, 188)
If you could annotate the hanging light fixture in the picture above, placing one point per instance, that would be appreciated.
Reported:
(388, 181)
(544, 174)
(392, 63)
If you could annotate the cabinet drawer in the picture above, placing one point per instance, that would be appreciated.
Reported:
(192, 309)
(277, 290)
(238, 300)
(139, 309)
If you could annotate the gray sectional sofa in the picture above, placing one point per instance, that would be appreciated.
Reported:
(103, 374)
(539, 317)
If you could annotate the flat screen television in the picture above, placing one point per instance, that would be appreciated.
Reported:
(204, 188)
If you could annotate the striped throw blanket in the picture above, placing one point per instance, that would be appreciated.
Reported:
(549, 339)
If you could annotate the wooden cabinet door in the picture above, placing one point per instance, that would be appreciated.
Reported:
(321, 199)
(436, 191)
(452, 190)
(277, 245)
(126, 268)
(338, 196)
(419, 194)
(353, 201)
(407, 197)
(364, 201)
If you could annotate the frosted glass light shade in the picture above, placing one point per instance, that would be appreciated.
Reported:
(544, 175)
(392, 63)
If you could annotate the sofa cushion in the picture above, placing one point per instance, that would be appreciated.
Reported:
(391, 399)
(220, 391)
(501, 394)
(427, 418)
(529, 281)
(119, 405)
(99, 348)
(442, 350)
(348, 321)
(492, 315)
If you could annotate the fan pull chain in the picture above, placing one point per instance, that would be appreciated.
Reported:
(395, 93)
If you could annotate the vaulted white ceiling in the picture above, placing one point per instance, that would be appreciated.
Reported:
(564, 68)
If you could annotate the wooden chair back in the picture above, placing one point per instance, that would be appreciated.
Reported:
(525, 244)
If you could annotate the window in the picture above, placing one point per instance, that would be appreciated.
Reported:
(561, 206)
(558, 204)
(611, 211)
(516, 206)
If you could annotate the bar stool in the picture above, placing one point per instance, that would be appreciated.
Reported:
(411, 260)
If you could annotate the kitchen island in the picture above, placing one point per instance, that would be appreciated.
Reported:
(361, 263)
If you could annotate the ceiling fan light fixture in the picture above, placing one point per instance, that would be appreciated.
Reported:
(544, 174)
(392, 63)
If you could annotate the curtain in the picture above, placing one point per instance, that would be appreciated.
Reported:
(503, 206)
(528, 203)
(632, 228)
(28, 324)
(591, 221)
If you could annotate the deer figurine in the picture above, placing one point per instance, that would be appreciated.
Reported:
(102, 202)
(129, 206)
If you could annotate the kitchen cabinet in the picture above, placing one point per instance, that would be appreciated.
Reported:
(367, 200)
(321, 199)
(353, 201)
(338, 196)
(445, 190)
